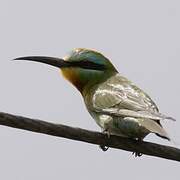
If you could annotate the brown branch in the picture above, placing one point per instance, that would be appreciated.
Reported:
(92, 137)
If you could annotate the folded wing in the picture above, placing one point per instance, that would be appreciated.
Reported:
(120, 97)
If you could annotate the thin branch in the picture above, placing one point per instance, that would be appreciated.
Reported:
(92, 137)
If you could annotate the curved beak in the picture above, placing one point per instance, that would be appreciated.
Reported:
(57, 62)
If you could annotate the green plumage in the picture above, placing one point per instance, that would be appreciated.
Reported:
(118, 106)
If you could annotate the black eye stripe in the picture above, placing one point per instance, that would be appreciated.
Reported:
(85, 64)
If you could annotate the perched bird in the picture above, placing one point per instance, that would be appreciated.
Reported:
(118, 106)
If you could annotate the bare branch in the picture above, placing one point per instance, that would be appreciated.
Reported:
(92, 137)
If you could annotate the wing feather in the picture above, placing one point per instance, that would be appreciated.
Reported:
(120, 97)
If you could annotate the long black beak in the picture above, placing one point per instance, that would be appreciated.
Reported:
(57, 62)
(61, 63)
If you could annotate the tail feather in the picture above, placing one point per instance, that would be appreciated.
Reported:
(154, 127)
(165, 137)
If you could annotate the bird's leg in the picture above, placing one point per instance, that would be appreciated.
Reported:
(103, 147)
(138, 154)
(106, 132)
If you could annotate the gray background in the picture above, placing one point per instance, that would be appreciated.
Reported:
(142, 38)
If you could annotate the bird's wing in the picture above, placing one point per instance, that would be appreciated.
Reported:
(120, 97)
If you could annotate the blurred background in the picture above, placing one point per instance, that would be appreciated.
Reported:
(142, 38)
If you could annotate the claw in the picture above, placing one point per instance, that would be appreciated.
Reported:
(104, 148)
(137, 154)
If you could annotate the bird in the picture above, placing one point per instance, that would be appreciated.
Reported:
(116, 104)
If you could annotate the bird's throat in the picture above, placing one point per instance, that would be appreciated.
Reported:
(83, 78)
(71, 75)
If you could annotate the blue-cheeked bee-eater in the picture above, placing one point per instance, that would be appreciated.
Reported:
(117, 105)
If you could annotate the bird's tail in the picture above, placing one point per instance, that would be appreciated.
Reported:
(154, 127)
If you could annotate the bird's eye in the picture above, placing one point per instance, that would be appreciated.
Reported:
(85, 64)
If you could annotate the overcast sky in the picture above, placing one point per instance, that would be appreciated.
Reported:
(142, 38)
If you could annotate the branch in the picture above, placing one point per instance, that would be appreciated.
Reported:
(92, 137)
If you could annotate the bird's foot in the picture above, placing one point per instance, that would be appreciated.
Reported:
(103, 147)
(137, 154)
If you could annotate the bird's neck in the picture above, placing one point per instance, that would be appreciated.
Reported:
(84, 80)
(96, 81)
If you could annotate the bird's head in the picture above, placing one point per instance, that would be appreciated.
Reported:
(82, 67)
